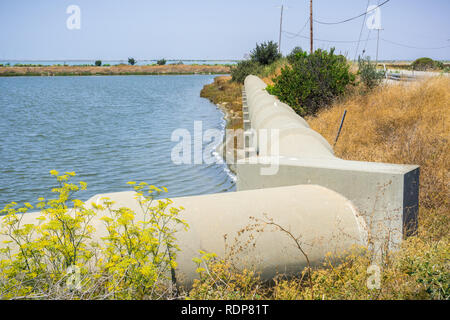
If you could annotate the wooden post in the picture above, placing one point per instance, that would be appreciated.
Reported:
(311, 24)
(281, 25)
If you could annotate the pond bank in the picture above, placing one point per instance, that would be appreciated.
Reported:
(112, 70)
(227, 96)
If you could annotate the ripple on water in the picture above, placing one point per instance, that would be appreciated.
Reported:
(109, 130)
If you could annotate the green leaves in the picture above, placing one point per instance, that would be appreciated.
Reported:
(312, 81)
(265, 53)
(368, 73)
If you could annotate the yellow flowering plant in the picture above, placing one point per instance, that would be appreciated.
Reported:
(56, 257)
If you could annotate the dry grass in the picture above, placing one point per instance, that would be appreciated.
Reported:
(405, 124)
(400, 124)
(112, 70)
(228, 95)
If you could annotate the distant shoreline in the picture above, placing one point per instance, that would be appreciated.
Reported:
(171, 69)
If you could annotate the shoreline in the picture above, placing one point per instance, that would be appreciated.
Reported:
(112, 70)
(227, 97)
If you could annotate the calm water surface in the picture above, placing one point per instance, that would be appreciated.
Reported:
(109, 130)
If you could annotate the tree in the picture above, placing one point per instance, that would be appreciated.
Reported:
(313, 81)
(131, 61)
(98, 63)
(161, 62)
(291, 56)
(265, 53)
(244, 68)
(368, 73)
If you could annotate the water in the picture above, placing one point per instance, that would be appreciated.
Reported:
(111, 62)
(109, 130)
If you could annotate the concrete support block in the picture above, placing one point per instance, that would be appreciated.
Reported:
(385, 194)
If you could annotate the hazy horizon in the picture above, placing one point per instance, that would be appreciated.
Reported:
(214, 30)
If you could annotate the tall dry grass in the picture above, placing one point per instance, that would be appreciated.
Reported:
(402, 123)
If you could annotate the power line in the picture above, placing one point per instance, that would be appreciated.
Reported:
(361, 31)
(350, 19)
(323, 40)
(298, 33)
(368, 39)
(413, 47)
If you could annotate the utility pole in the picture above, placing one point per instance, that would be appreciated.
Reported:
(378, 40)
(311, 24)
(281, 26)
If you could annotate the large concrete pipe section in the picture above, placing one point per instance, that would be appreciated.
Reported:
(385, 194)
(324, 220)
(295, 138)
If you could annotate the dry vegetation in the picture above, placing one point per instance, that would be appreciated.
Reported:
(112, 70)
(228, 96)
(400, 124)
(405, 124)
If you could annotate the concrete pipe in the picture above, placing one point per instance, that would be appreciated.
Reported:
(266, 99)
(252, 82)
(267, 111)
(254, 95)
(299, 143)
(288, 120)
(325, 220)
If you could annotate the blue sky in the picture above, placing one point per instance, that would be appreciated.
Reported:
(212, 29)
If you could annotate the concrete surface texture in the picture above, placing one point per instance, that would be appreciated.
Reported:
(385, 194)
(324, 220)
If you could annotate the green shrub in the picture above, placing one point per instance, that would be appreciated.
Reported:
(291, 56)
(161, 62)
(265, 53)
(312, 81)
(98, 63)
(131, 61)
(59, 259)
(244, 68)
(424, 64)
(368, 73)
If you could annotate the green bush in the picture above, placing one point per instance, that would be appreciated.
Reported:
(131, 61)
(161, 62)
(368, 73)
(244, 68)
(312, 81)
(265, 53)
(291, 56)
(424, 64)
(98, 63)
